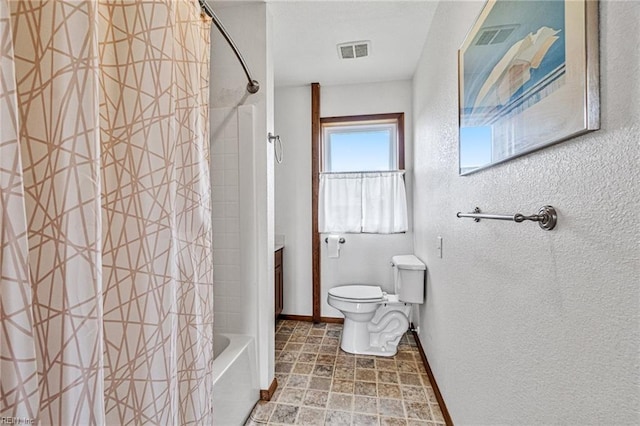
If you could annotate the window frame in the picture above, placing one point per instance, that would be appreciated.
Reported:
(396, 118)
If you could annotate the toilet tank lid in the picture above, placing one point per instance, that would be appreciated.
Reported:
(408, 261)
(361, 292)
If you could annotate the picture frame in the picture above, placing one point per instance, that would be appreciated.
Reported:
(528, 77)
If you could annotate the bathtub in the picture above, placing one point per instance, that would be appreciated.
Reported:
(235, 379)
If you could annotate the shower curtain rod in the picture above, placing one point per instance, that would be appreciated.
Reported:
(253, 86)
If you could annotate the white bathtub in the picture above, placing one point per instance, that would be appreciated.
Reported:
(235, 379)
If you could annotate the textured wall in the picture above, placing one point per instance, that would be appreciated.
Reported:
(523, 326)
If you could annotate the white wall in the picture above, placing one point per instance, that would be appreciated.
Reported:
(364, 258)
(293, 195)
(524, 326)
(254, 115)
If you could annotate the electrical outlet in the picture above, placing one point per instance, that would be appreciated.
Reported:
(439, 247)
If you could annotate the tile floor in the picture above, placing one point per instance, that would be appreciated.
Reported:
(319, 384)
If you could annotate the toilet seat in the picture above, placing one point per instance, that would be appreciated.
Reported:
(358, 293)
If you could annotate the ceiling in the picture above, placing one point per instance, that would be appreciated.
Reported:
(305, 35)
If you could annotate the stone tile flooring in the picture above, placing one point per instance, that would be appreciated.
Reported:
(319, 384)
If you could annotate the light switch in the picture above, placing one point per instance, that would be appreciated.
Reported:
(439, 247)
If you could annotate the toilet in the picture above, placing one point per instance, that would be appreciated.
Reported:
(374, 321)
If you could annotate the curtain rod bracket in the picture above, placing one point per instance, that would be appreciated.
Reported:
(253, 86)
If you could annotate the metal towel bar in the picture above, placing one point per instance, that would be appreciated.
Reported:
(546, 217)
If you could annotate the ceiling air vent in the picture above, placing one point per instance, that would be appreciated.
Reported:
(354, 49)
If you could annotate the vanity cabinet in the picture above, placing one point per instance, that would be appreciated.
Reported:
(278, 281)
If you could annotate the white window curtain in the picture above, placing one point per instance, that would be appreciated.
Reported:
(370, 202)
(340, 202)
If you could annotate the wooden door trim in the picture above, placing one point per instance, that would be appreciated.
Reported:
(315, 185)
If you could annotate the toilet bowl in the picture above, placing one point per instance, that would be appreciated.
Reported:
(374, 321)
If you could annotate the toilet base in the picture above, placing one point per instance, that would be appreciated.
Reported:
(379, 336)
(370, 351)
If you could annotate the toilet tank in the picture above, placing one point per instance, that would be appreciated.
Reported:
(409, 278)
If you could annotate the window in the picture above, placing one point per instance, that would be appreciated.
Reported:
(361, 183)
(363, 143)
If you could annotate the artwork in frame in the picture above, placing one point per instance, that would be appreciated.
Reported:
(528, 77)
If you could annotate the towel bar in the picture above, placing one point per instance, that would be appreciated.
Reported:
(546, 217)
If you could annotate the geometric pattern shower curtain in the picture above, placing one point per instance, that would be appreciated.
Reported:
(106, 289)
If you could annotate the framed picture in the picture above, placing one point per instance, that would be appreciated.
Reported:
(528, 77)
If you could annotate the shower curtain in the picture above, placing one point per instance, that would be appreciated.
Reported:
(106, 289)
